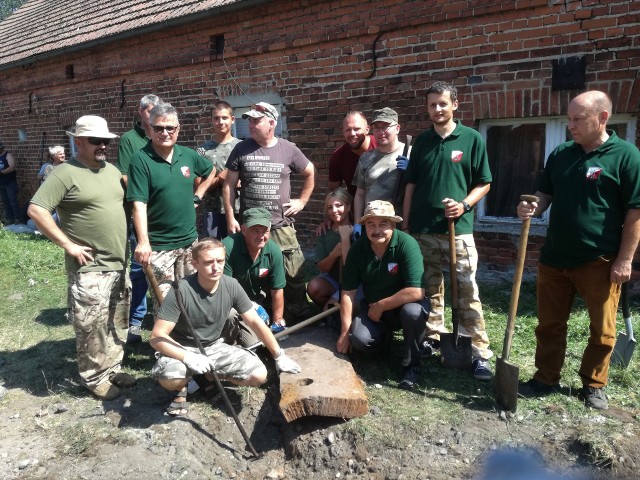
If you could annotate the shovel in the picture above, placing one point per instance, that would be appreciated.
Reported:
(455, 349)
(507, 373)
(626, 343)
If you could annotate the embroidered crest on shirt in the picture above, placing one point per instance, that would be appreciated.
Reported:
(186, 172)
(392, 268)
(263, 272)
(593, 173)
(456, 156)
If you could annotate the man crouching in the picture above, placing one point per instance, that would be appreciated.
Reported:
(208, 297)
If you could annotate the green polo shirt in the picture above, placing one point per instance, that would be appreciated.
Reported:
(445, 168)
(591, 195)
(130, 142)
(266, 273)
(400, 267)
(324, 246)
(167, 189)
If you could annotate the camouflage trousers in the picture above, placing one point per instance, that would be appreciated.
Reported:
(98, 306)
(169, 266)
(228, 361)
(296, 305)
(435, 251)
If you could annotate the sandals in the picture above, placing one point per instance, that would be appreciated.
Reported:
(179, 409)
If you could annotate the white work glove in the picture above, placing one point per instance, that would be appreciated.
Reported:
(196, 362)
(286, 364)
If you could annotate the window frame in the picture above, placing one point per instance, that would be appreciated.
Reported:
(555, 134)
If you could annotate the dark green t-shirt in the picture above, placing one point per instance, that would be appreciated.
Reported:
(266, 273)
(445, 168)
(208, 311)
(130, 142)
(90, 206)
(591, 193)
(400, 267)
(324, 245)
(167, 189)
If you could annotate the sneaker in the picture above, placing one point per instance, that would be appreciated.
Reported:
(535, 388)
(122, 379)
(594, 397)
(429, 347)
(410, 378)
(482, 369)
(105, 391)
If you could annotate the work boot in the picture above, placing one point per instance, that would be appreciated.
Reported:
(482, 369)
(594, 397)
(133, 336)
(105, 391)
(535, 388)
(410, 378)
(122, 379)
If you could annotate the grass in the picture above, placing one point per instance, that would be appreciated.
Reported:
(37, 354)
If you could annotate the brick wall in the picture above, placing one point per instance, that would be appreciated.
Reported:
(324, 58)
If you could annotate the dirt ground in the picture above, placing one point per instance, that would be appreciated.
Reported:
(74, 436)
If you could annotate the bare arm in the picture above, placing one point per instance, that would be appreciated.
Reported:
(346, 311)
(277, 306)
(406, 205)
(163, 343)
(229, 197)
(143, 249)
(263, 332)
(621, 267)
(401, 297)
(206, 184)
(45, 223)
(454, 208)
(358, 204)
(297, 204)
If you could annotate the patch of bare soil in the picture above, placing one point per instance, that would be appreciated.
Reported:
(77, 437)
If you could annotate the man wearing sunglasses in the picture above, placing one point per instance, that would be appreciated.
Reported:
(264, 164)
(161, 186)
(88, 193)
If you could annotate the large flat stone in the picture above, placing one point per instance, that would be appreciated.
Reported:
(327, 386)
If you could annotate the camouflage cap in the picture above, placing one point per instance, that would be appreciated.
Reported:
(380, 208)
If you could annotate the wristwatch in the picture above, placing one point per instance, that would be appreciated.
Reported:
(197, 199)
(466, 206)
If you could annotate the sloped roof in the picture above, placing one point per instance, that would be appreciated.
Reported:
(42, 28)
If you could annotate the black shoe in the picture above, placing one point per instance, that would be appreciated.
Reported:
(594, 397)
(482, 369)
(410, 378)
(429, 347)
(535, 388)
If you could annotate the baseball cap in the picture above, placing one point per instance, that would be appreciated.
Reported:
(256, 216)
(380, 208)
(385, 115)
(262, 109)
(92, 126)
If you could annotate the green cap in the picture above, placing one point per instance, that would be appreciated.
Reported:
(385, 115)
(256, 216)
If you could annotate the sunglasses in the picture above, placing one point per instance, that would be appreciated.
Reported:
(261, 109)
(161, 128)
(98, 141)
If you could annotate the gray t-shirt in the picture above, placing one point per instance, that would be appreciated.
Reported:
(377, 174)
(208, 311)
(218, 153)
(265, 174)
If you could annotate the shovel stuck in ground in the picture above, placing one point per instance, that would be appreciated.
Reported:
(626, 343)
(455, 349)
(507, 373)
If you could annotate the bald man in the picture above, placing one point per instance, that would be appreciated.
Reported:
(594, 227)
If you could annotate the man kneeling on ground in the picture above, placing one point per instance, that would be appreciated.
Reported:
(388, 265)
(208, 297)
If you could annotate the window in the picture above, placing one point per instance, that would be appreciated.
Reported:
(241, 125)
(518, 150)
(242, 104)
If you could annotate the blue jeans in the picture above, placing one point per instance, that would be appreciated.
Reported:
(139, 288)
(9, 194)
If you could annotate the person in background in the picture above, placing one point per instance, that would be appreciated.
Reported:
(9, 186)
(56, 157)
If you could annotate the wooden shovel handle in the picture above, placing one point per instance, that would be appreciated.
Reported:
(517, 279)
(454, 275)
(148, 271)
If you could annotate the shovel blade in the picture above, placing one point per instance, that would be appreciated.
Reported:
(454, 354)
(623, 350)
(507, 384)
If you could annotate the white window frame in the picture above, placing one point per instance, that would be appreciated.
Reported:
(555, 134)
(242, 104)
